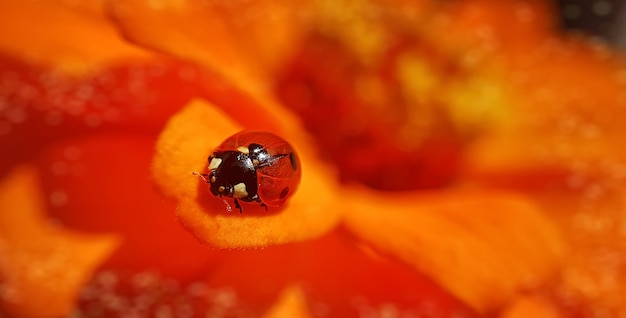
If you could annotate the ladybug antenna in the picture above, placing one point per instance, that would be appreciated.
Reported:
(201, 175)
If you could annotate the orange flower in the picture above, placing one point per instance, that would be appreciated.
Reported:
(501, 133)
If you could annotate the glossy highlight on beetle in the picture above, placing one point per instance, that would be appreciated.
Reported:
(253, 166)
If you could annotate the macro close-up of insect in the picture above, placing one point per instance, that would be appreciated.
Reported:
(320, 158)
(253, 167)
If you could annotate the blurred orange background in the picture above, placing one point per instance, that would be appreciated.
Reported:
(460, 158)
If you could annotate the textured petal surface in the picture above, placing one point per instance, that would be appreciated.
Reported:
(483, 247)
(183, 147)
(42, 266)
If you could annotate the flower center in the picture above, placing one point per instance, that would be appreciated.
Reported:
(384, 120)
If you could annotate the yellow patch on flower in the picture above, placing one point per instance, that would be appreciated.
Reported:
(184, 146)
(485, 247)
(42, 267)
(558, 129)
(44, 32)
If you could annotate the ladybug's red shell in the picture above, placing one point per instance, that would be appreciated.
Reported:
(247, 154)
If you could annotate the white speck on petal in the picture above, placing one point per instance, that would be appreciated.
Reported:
(60, 168)
(53, 118)
(93, 120)
(58, 198)
(72, 153)
(17, 115)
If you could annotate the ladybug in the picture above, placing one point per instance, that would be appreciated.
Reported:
(253, 166)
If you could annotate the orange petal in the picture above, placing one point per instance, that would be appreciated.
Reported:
(565, 119)
(291, 304)
(42, 266)
(519, 161)
(243, 44)
(569, 87)
(485, 25)
(483, 247)
(186, 142)
(74, 38)
(591, 217)
(239, 41)
(113, 194)
(337, 277)
(531, 307)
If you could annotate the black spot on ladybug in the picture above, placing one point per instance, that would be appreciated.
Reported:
(292, 158)
(284, 193)
(255, 148)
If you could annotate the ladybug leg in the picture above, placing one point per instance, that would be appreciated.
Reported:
(228, 207)
(238, 206)
(261, 203)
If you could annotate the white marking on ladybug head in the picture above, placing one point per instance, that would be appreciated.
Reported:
(244, 150)
(215, 163)
(240, 191)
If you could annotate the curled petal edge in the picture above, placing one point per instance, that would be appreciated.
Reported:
(184, 146)
(42, 266)
(484, 247)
